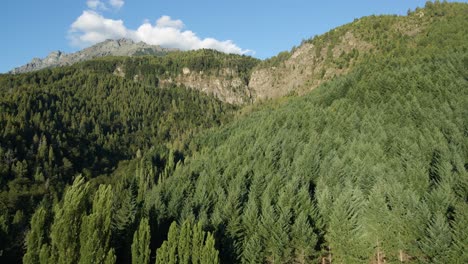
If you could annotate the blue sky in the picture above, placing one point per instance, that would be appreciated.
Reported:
(32, 28)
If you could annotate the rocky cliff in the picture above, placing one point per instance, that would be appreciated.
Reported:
(336, 53)
(305, 68)
(226, 84)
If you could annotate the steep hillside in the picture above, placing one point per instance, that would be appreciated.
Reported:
(371, 167)
(127, 160)
(224, 76)
(337, 52)
(121, 47)
(56, 124)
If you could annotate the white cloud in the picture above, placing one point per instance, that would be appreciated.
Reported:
(167, 22)
(100, 5)
(91, 27)
(116, 3)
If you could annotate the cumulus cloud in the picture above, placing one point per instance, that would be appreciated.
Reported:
(91, 27)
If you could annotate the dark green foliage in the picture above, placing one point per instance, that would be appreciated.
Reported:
(84, 119)
(188, 244)
(96, 228)
(37, 236)
(65, 230)
(141, 243)
(369, 167)
(458, 252)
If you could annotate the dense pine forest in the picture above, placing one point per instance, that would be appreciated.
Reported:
(370, 167)
(85, 120)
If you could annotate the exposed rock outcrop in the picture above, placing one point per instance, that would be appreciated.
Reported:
(225, 84)
(306, 68)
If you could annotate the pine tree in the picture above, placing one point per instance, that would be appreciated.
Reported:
(250, 218)
(436, 244)
(141, 243)
(458, 250)
(253, 250)
(110, 257)
(145, 177)
(65, 230)
(44, 254)
(162, 254)
(187, 244)
(37, 235)
(377, 220)
(167, 253)
(304, 239)
(172, 239)
(198, 236)
(344, 229)
(184, 243)
(96, 228)
(209, 253)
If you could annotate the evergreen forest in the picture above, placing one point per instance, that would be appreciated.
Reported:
(369, 167)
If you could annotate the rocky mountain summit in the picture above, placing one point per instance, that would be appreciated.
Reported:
(120, 47)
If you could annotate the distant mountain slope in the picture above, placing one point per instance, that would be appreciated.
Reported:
(121, 47)
(224, 76)
(338, 51)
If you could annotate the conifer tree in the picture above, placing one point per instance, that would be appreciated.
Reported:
(96, 228)
(458, 250)
(184, 243)
(252, 251)
(141, 243)
(344, 228)
(110, 257)
(37, 235)
(304, 239)
(65, 230)
(172, 243)
(44, 254)
(198, 236)
(377, 219)
(187, 244)
(162, 254)
(145, 176)
(250, 218)
(123, 218)
(209, 253)
(436, 244)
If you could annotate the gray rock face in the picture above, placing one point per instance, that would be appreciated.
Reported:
(121, 47)
(305, 69)
(225, 84)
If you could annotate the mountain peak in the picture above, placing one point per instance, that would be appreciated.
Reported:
(109, 47)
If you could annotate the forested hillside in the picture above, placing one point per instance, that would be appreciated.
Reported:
(368, 168)
(337, 52)
(84, 119)
(101, 165)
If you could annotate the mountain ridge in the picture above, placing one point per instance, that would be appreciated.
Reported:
(109, 47)
(369, 167)
(298, 71)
